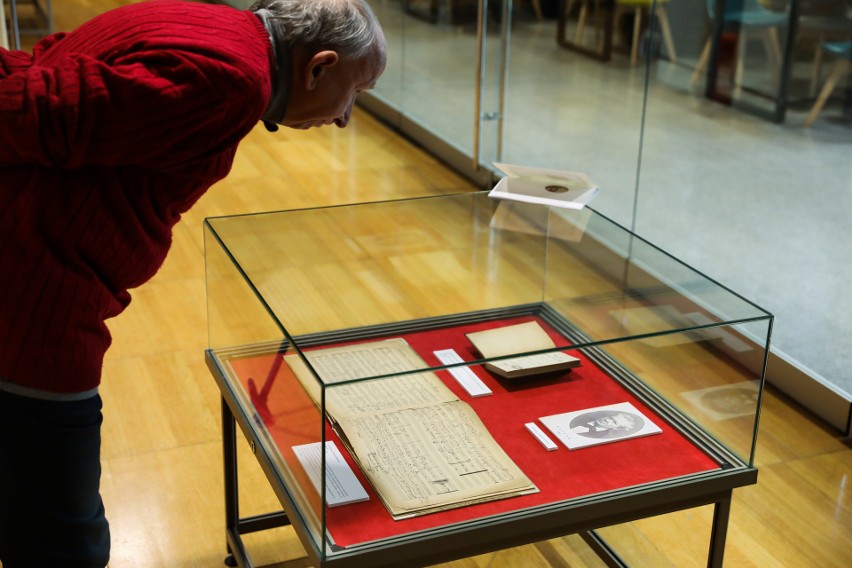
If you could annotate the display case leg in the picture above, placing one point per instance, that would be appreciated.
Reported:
(603, 550)
(721, 513)
(229, 460)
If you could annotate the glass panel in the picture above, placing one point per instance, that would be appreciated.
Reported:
(347, 261)
(673, 310)
(744, 58)
(249, 346)
(636, 272)
(556, 113)
(714, 178)
(390, 86)
(433, 65)
(569, 111)
(236, 318)
(710, 179)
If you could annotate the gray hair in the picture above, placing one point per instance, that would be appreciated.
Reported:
(347, 26)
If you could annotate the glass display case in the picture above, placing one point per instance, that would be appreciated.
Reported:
(481, 373)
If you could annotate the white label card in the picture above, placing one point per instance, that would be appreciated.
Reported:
(341, 485)
(463, 375)
(539, 434)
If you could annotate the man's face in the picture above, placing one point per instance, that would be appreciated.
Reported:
(325, 88)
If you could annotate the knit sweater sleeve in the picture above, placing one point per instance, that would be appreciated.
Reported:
(148, 106)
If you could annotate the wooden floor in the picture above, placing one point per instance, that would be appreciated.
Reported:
(162, 473)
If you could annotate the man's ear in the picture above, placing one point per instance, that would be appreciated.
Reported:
(318, 65)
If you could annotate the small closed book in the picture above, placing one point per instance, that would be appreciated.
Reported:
(521, 338)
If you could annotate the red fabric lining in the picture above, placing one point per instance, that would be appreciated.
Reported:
(292, 419)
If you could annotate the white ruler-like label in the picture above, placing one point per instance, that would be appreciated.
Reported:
(465, 377)
(539, 434)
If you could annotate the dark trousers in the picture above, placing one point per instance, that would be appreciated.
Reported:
(51, 513)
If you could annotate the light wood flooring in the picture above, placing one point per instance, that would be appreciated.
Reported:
(162, 473)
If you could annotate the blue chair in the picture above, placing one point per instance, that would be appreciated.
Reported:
(842, 50)
(747, 16)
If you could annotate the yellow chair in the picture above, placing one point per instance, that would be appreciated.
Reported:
(842, 65)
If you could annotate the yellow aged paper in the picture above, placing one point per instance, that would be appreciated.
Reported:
(431, 457)
(421, 447)
(377, 358)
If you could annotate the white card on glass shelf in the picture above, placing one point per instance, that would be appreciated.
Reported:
(466, 378)
(572, 190)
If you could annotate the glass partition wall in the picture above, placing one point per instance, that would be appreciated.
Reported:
(491, 84)
(694, 132)
(726, 165)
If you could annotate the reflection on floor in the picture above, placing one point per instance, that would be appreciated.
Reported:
(762, 207)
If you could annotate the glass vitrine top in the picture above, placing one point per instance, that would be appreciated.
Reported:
(380, 264)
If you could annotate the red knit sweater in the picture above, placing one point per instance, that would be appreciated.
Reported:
(107, 134)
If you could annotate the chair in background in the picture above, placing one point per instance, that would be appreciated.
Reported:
(842, 50)
(747, 16)
(582, 16)
(536, 6)
(639, 7)
(822, 21)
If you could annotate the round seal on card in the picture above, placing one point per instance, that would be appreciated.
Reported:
(556, 188)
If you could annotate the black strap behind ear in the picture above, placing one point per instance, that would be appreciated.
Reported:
(270, 126)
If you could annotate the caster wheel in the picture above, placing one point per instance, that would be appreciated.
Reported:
(230, 560)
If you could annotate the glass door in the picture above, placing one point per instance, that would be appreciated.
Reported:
(444, 81)
(575, 97)
(483, 81)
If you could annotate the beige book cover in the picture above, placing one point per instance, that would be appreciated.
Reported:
(521, 338)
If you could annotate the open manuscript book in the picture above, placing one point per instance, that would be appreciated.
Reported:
(422, 448)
